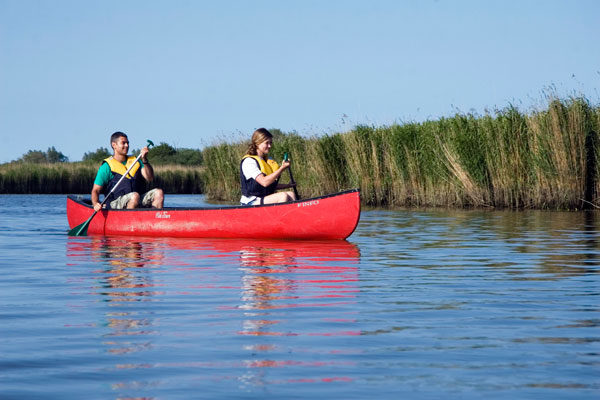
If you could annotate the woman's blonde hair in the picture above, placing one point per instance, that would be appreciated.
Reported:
(260, 135)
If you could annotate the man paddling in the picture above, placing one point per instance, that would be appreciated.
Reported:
(114, 167)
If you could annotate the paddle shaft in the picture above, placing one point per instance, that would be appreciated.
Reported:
(292, 181)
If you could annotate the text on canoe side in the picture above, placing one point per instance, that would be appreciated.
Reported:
(308, 203)
(162, 214)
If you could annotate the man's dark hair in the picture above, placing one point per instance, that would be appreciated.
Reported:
(115, 136)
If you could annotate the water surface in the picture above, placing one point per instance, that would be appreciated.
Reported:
(414, 304)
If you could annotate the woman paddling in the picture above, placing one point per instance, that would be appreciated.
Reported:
(259, 175)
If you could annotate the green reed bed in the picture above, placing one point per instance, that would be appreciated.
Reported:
(25, 178)
(179, 179)
(505, 159)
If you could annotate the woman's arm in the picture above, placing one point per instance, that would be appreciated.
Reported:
(266, 180)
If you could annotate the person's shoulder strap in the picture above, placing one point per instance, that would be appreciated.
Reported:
(255, 158)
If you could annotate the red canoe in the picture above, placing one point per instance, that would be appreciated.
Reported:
(328, 217)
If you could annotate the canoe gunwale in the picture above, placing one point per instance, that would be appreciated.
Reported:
(80, 200)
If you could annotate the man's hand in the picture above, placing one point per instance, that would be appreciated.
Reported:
(144, 153)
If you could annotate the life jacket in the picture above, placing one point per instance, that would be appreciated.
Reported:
(252, 188)
(118, 170)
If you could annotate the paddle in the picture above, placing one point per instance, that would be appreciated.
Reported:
(81, 230)
(285, 158)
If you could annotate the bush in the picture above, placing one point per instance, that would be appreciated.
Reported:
(97, 156)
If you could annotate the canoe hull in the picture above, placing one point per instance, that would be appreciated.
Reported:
(328, 217)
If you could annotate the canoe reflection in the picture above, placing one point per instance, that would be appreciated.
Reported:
(261, 290)
(122, 277)
(282, 276)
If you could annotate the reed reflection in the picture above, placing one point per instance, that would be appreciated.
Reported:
(591, 232)
(566, 244)
(531, 245)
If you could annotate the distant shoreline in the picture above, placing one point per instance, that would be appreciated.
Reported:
(78, 177)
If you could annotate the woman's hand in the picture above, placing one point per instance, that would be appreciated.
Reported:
(266, 180)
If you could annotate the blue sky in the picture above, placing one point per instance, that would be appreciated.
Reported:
(195, 73)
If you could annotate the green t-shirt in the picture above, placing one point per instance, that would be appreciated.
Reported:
(104, 174)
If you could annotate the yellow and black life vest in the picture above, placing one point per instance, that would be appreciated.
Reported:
(119, 169)
(252, 188)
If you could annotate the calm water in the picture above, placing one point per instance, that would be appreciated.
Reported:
(416, 305)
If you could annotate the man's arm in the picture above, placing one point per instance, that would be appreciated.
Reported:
(147, 170)
(96, 197)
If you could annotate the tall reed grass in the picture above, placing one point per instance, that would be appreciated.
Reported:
(505, 159)
(76, 178)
